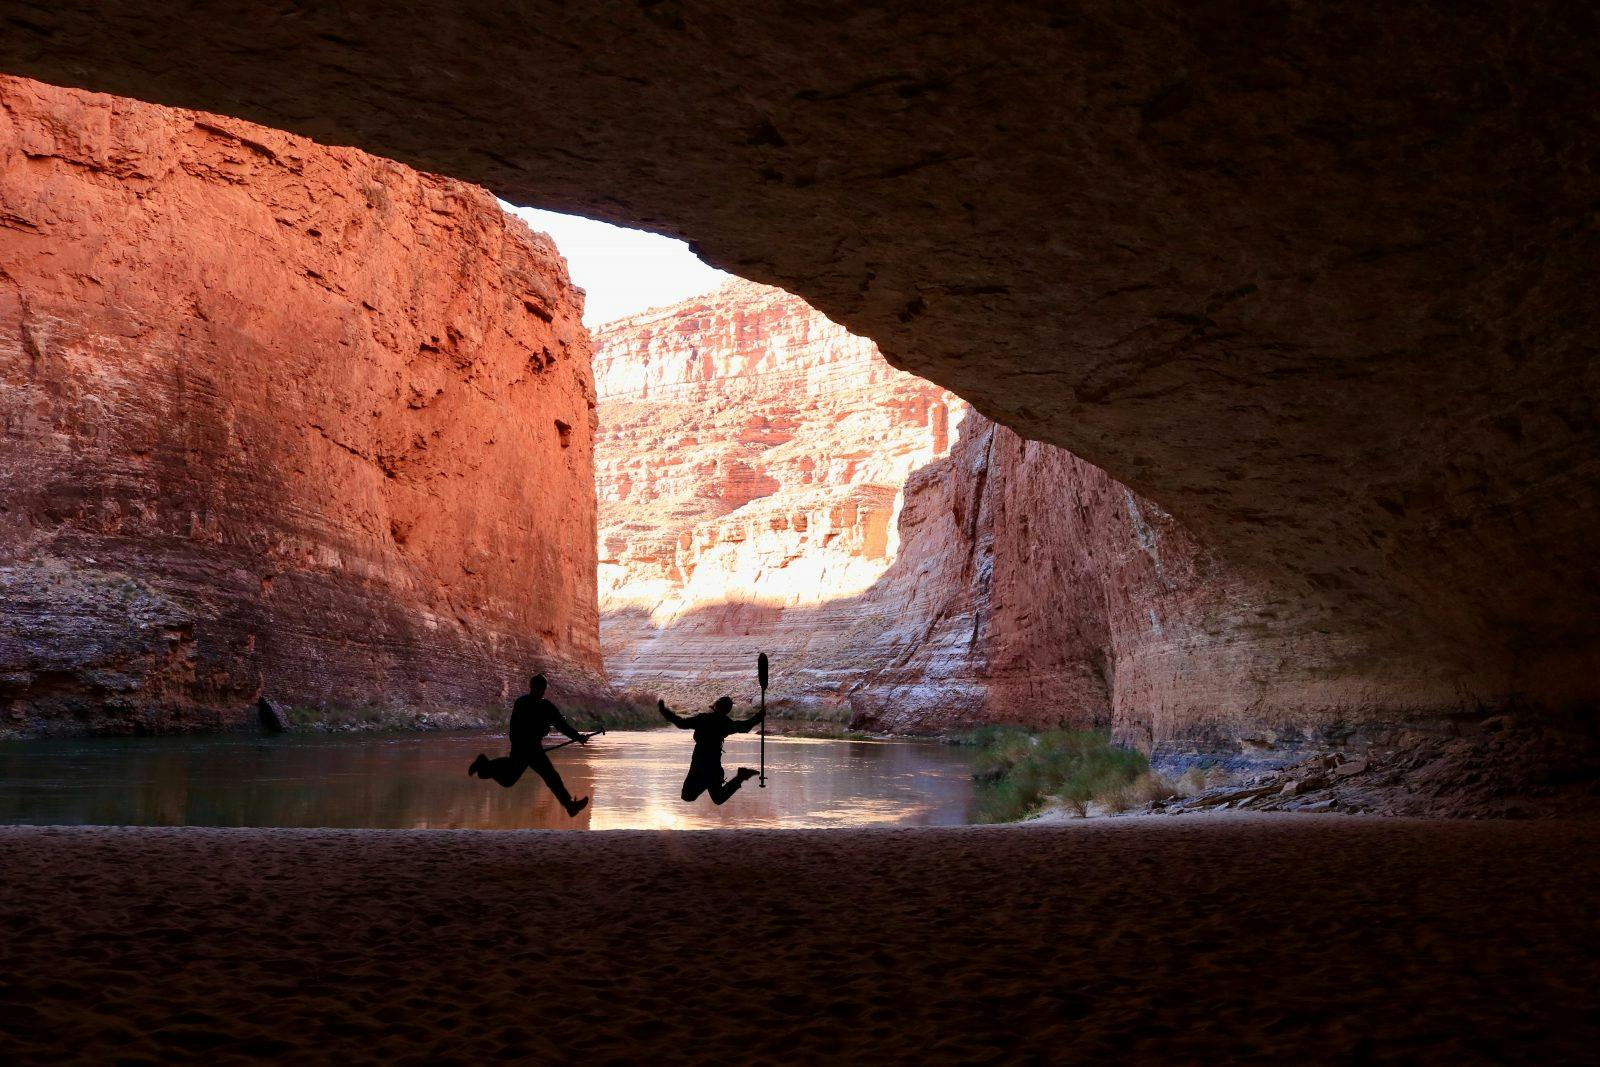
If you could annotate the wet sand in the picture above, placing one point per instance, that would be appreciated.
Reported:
(1287, 938)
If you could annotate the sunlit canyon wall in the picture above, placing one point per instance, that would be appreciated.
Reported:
(750, 466)
(1032, 587)
(767, 483)
(278, 419)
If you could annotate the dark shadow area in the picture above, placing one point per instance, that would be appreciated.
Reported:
(1196, 939)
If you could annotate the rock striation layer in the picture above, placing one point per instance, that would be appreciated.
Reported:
(278, 419)
(749, 466)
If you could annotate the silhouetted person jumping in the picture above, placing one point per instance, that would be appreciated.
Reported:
(711, 728)
(532, 716)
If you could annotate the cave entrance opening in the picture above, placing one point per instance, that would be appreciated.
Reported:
(752, 459)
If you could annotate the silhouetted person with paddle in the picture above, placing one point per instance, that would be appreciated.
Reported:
(711, 728)
(532, 716)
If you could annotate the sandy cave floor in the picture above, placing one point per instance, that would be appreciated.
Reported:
(1290, 938)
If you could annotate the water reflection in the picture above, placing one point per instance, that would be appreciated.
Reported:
(420, 781)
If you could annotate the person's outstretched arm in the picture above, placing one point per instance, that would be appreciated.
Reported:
(667, 713)
(559, 721)
(750, 724)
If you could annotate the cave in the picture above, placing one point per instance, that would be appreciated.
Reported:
(1276, 327)
(1318, 293)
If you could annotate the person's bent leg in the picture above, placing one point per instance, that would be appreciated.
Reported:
(721, 792)
(693, 786)
(505, 770)
(545, 769)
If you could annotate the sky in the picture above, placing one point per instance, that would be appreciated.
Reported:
(622, 270)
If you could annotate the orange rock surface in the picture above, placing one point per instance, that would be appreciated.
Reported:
(749, 463)
(278, 419)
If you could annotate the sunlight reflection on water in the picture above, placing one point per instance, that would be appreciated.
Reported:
(420, 781)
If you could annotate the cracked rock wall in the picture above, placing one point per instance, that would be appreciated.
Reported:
(278, 418)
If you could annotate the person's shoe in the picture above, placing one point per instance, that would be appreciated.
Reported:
(477, 765)
(577, 806)
(745, 774)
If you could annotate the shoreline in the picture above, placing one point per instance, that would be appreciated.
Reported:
(1043, 823)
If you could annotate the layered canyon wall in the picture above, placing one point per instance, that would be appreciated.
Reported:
(768, 483)
(749, 466)
(278, 419)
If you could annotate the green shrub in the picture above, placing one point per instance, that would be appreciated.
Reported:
(1018, 771)
(1147, 788)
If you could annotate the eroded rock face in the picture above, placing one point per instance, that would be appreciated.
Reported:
(749, 463)
(1316, 278)
(278, 419)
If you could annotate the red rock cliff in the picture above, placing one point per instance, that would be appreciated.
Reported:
(278, 418)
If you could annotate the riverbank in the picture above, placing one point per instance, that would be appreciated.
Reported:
(621, 714)
(1491, 767)
(1222, 938)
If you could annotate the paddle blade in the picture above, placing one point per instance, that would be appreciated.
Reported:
(761, 669)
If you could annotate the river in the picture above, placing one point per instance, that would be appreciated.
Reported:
(420, 781)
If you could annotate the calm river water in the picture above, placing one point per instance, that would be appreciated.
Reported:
(420, 780)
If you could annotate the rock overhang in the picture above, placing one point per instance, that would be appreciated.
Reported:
(1314, 279)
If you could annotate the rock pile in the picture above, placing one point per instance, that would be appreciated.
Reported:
(1497, 768)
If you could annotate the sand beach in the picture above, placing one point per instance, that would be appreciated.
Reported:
(1288, 938)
